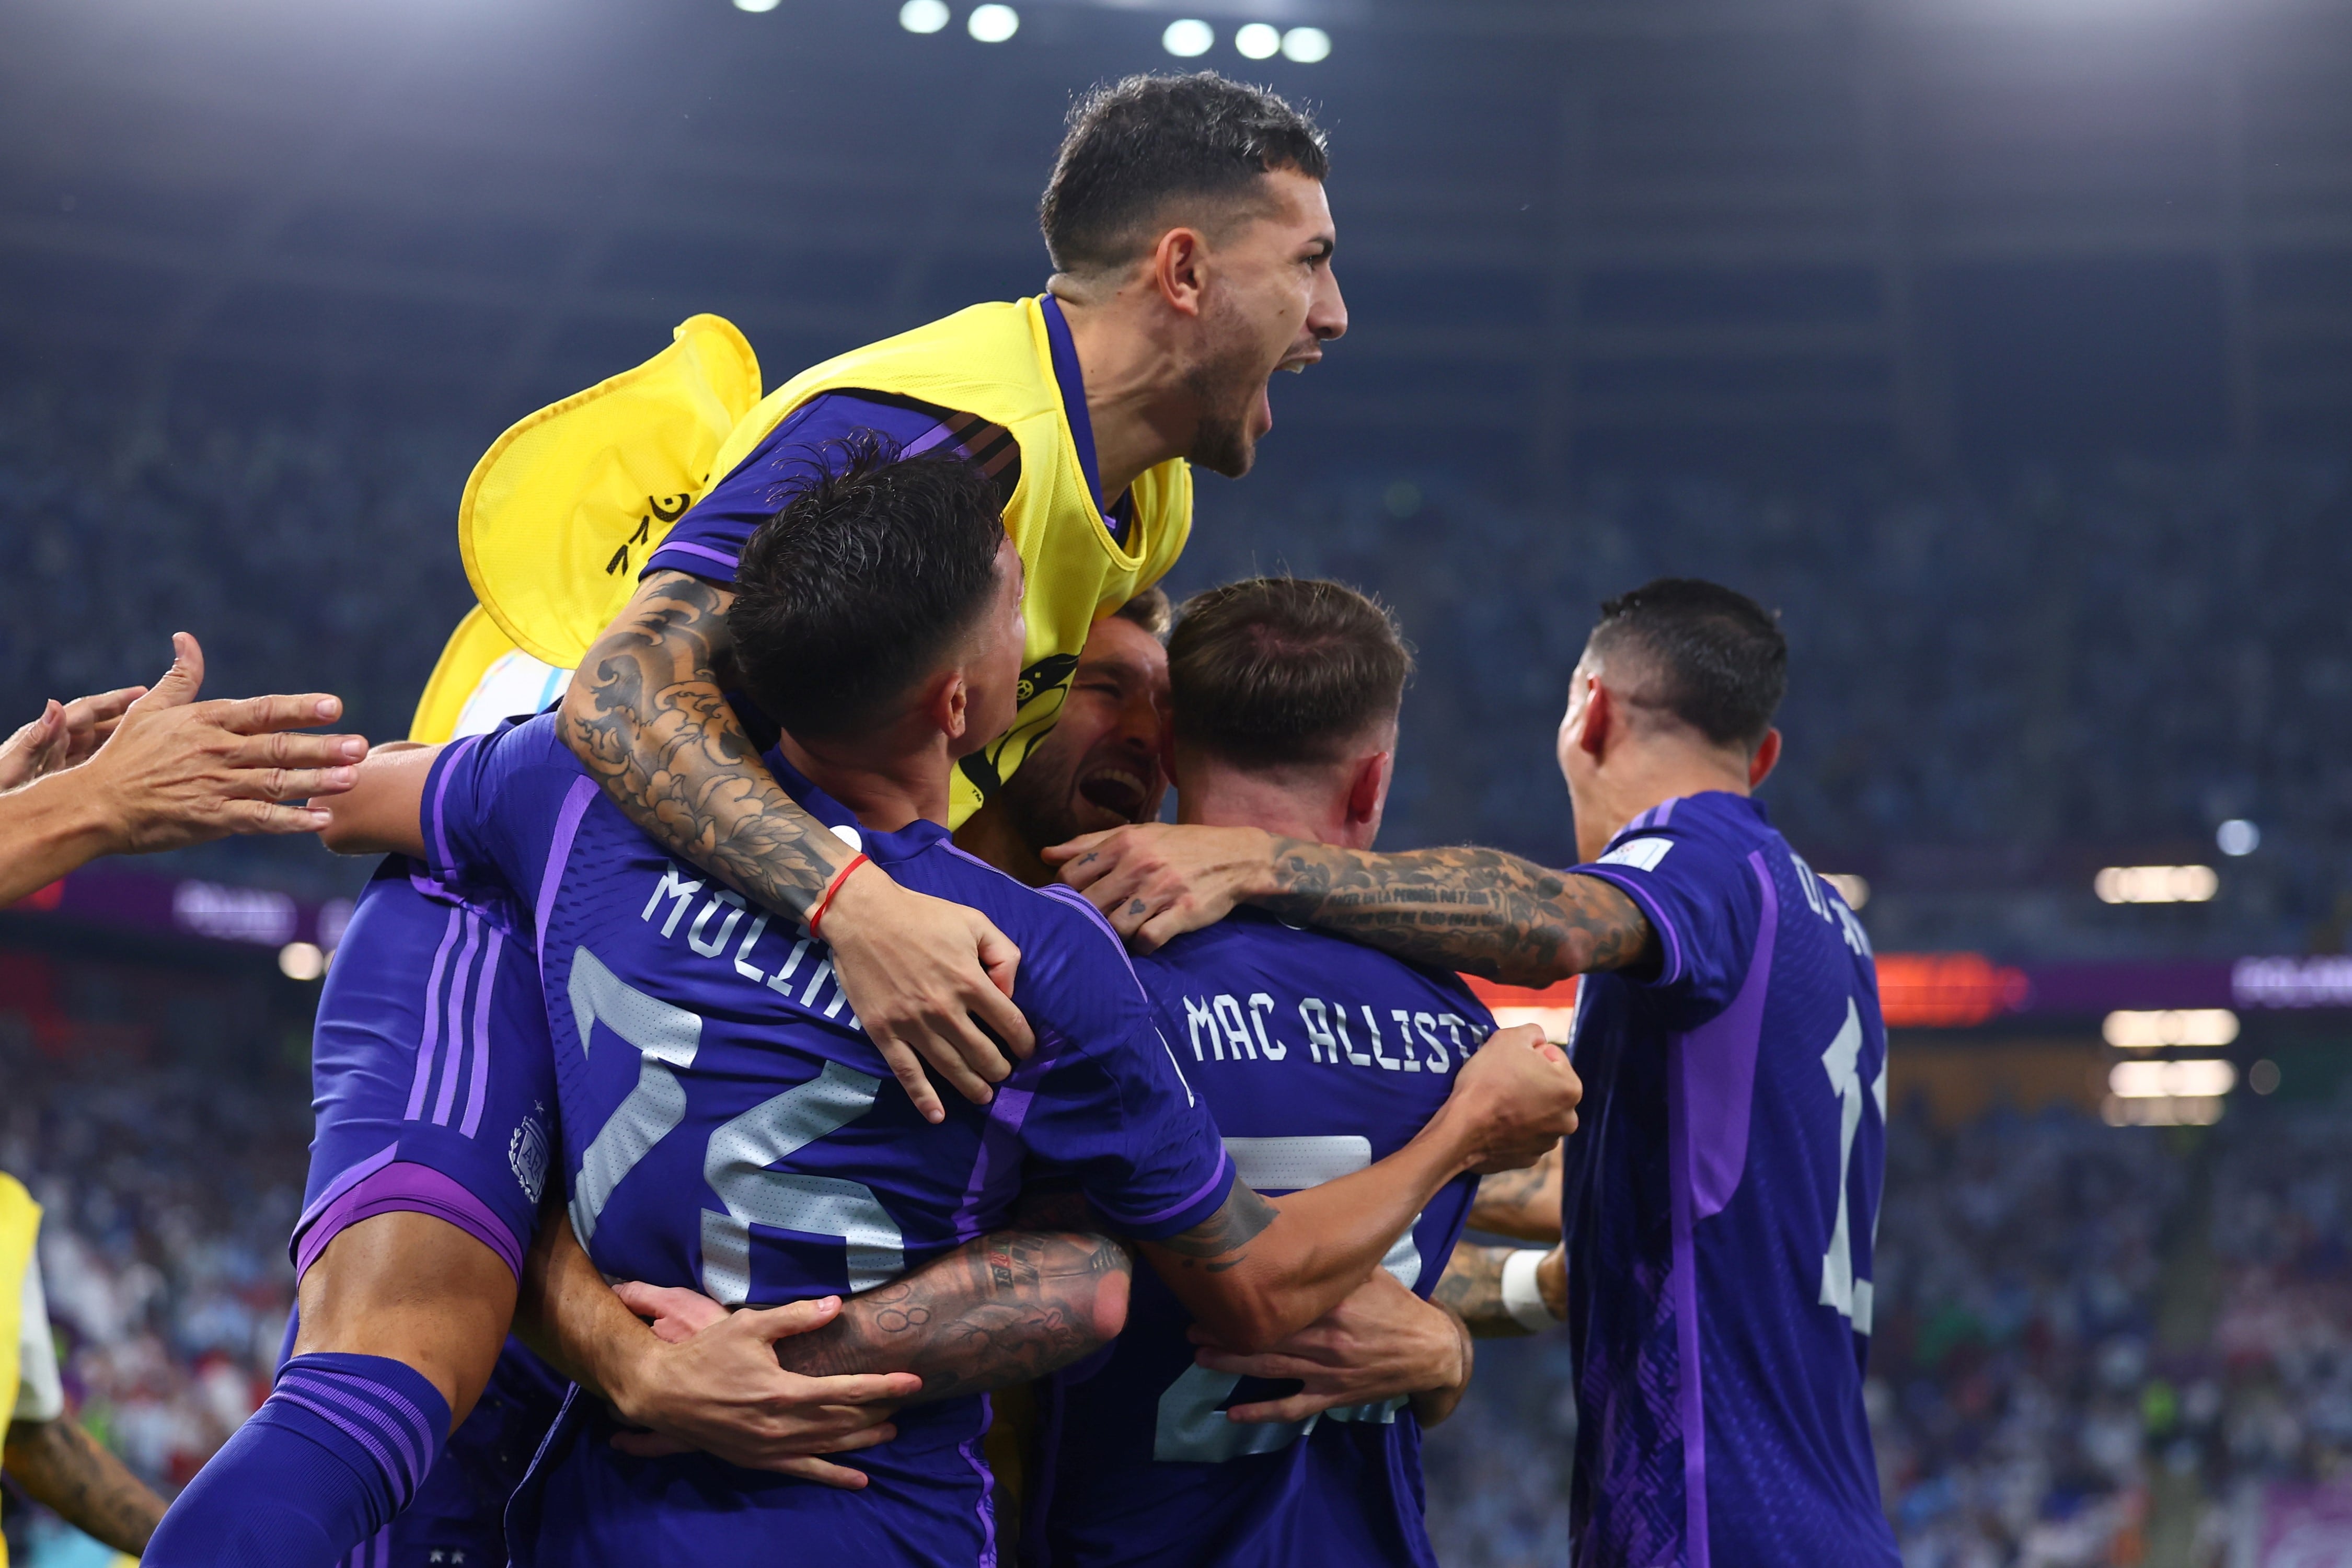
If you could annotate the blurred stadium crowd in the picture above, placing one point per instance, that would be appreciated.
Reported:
(2108, 687)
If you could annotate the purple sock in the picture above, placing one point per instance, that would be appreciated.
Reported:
(337, 1448)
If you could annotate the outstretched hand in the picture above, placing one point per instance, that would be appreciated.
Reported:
(929, 982)
(1156, 880)
(66, 734)
(719, 1389)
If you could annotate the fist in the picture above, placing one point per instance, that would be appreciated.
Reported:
(1520, 1096)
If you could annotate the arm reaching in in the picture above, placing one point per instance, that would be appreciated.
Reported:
(1521, 1204)
(1478, 911)
(61, 1468)
(170, 772)
(1473, 1288)
(930, 980)
(1381, 1342)
(1260, 1269)
(65, 734)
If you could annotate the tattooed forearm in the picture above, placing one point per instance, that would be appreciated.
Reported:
(1524, 1205)
(647, 717)
(1479, 910)
(61, 1467)
(1472, 1286)
(1217, 1241)
(1008, 1308)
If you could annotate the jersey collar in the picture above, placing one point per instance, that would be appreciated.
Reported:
(886, 848)
(1072, 382)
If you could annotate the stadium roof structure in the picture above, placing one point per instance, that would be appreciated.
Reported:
(1922, 228)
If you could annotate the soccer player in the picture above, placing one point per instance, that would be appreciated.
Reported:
(1317, 1056)
(1721, 1200)
(724, 1125)
(1101, 765)
(1192, 246)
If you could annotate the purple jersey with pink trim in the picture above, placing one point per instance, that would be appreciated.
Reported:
(431, 1075)
(728, 1127)
(1720, 1200)
(1319, 1058)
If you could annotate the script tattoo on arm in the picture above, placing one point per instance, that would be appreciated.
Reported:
(1217, 1242)
(647, 717)
(1008, 1308)
(1472, 1288)
(62, 1467)
(1479, 910)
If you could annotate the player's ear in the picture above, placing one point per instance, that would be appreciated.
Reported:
(1368, 790)
(948, 705)
(1600, 717)
(1179, 270)
(1767, 755)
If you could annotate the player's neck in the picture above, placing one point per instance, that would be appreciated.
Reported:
(1136, 399)
(1212, 796)
(989, 833)
(1636, 781)
(886, 780)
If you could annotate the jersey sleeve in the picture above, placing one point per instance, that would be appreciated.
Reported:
(492, 804)
(708, 540)
(1700, 897)
(1112, 1109)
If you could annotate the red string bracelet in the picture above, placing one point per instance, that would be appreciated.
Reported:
(825, 899)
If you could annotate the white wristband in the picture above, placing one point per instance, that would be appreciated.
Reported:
(1522, 1297)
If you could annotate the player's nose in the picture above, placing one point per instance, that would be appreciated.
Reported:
(1326, 317)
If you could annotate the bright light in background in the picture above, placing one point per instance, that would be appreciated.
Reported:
(1853, 889)
(2164, 1110)
(756, 4)
(2155, 884)
(2238, 837)
(1258, 42)
(992, 24)
(917, 16)
(2262, 1078)
(1306, 45)
(1187, 37)
(2181, 1027)
(2202, 1077)
(302, 960)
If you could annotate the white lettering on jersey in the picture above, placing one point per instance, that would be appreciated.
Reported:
(1273, 1049)
(1199, 1016)
(1318, 1031)
(1643, 854)
(734, 903)
(1229, 1019)
(1840, 1061)
(672, 885)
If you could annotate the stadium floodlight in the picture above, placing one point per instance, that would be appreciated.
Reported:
(922, 16)
(1306, 45)
(992, 24)
(2237, 836)
(756, 5)
(2195, 1078)
(1188, 37)
(2155, 884)
(2133, 1030)
(1853, 889)
(302, 960)
(1258, 41)
(2163, 1110)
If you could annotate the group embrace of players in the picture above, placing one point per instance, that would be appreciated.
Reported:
(803, 1030)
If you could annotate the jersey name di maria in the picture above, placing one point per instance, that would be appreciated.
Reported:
(1319, 1058)
(728, 1128)
(1720, 1200)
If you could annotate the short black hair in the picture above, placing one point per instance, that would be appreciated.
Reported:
(1274, 670)
(861, 583)
(1134, 146)
(1721, 662)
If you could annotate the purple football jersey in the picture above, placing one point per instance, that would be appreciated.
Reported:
(1719, 1201)
(728, 1127)
(1319, 1058)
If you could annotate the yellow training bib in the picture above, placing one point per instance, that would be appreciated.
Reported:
(20, 1222)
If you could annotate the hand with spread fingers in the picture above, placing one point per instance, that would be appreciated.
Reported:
(65, 734)
(165, 772)
(1156, 880)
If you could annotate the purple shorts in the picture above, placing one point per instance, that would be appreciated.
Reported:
(432, 1074)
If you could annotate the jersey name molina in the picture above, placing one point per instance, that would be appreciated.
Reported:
(1318, 1057)
(728, 1127)
(1720, 1200)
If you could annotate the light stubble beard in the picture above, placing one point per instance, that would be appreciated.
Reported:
(1224, 386)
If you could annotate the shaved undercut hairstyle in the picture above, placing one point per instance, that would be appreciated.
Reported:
(1712, 659)
(1283, 670)
(1138, 149)
(861, 585)
(1150, 610)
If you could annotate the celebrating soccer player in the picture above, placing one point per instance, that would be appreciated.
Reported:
(1191, 244)
(1720, 1203)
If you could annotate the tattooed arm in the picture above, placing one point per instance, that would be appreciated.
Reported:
(1478, 911)
(61, 1468)
(929, 981)
(1472, 1288)
(1521, 1204)
(1260, 1269)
